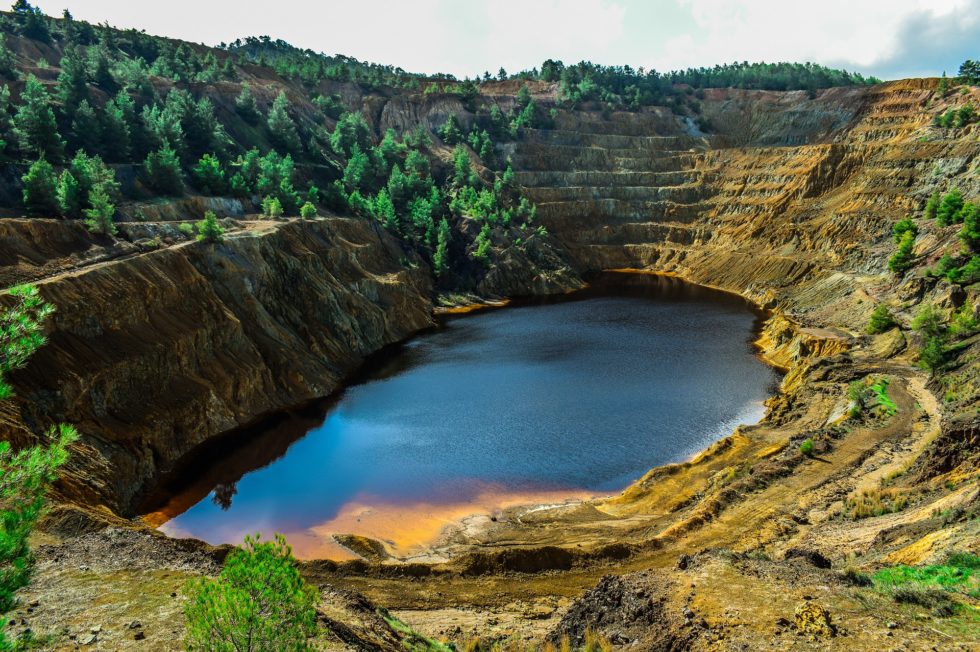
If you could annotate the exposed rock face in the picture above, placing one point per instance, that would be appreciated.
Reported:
(152, 355)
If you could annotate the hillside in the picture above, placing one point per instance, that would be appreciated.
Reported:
(505, 188)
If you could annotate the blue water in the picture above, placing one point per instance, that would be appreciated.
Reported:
(580, 394)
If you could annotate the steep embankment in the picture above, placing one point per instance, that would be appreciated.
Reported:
(156, 353)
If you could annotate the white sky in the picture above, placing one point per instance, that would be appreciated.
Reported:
(886, 38)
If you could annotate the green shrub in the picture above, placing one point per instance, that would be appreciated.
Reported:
(25, 475)
(881, 320)
(98, 218)
(807, 447)
(163, 169)
(307, 211)
(186, 228)
(949, 208)
(902, 259)
(902, 227)
(40, 189)
(209, 230)
(272, 208)
(258, 602)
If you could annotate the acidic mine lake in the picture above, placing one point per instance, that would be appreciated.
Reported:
(535, 403)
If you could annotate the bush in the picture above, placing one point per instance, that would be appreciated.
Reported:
(40, 189)
(98, 218)
(272, 208)
(25, 475)
(807, 447)
(901, 227)
(881, 320)
(208, 175)
(163, 168)
(186, 228)
(307, 211)
(902, 259)
(258, 602)
(208, 229)
(949, 208)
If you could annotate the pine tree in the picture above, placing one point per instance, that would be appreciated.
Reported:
(208, 175)
(6, 58)
(932, 206)
(163, 169)
(115, 133)
(282, 127)
(35, 125)
(72, 80)
(307, 211)
(40, 189)
(86, 130)
(69, 195)
(259, 596)
(246, 106)
(440, 259)
(209, 230)
(98, 218)
(6, 129)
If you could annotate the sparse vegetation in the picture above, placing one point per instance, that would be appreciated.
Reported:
(26, 474)
(807, 447)
(258, 602)
(875, 502)
(934, 586)
(881, 320)
(209, 230)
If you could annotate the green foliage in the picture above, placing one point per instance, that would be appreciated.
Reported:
(440, 259)
(307, 211)
(98, 218)
(462, 169)
(902, 227)
(86, 129)
(163, 170)
(384, 211)
(901, 261)
(21, 331)
(949, 208)
(970, 233)
(209, 230)
(209, 176)
(72, 86)
(282, 127)
(450, 131)
(970, 72)
(351, 130)
(881, 320)
(40, 189)
(932, 206)
(258, 602)
(25, 475)
(70, 196)
(929, 322)
(246, 106)
(31, 21)
(34, 122)
(934, 585)
(482, 245)
(272, 207)
(807, 447)
(963, 322)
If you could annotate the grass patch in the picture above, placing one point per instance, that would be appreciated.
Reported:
(935, 587)
(870, 396)
(875, 502)
(412, 640)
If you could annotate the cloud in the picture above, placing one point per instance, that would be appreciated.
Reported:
(858, 35)
(888, 38)
(925, 45)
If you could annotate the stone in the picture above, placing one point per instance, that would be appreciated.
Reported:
(811, 618)
(88, 639)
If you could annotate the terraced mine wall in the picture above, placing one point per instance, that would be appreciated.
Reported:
(788, 201)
